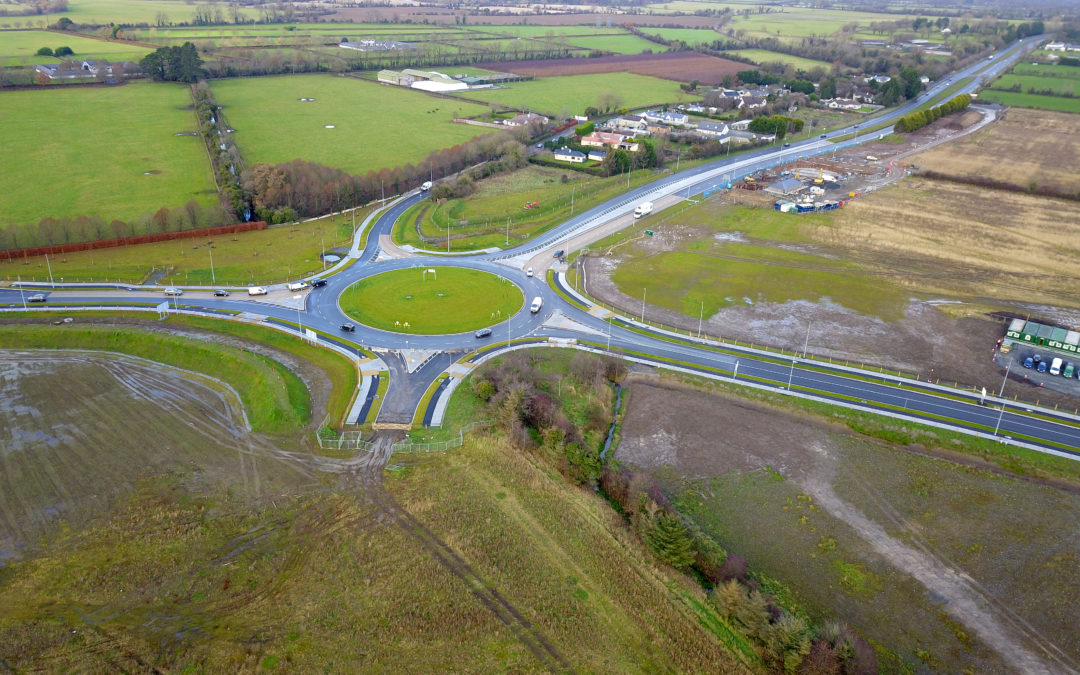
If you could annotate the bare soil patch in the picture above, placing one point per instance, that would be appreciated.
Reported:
(921, 555)
(680, 66)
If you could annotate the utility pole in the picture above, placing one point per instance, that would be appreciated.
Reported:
(507, 230)
(609, 334)
(298, 321)
(700, 315)
(572, 191)
(323, 254)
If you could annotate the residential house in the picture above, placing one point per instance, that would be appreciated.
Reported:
(740, 125)
(752, 102)
(657, 129)
(1055, 46)
(633, 122)
(525, 119)
(881, 79)
(695, 108)
(713, 129)
(629, 144)
(71, 70)
(597, 155)
(600, 139)
(676, 119)
(569, 155)
(759, 92)
(842, 104)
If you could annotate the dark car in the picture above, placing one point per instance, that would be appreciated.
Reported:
(1041, 367)
(787, 145)
(1029, 362)
(318, 283)
(348, 327)
(559, 253)
(483, 333)
(36, 297)
(1037, 359)
(221, 293)
(824, 135)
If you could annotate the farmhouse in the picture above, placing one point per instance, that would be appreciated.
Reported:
(752, 102)
(70, 70)
(525, 119)
(569, 155)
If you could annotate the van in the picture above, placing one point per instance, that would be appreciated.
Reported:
(298, 286)
(537, 303)
(426, 186)
(1055, 366)
(257, 290)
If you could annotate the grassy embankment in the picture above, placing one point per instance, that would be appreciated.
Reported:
(452, 300)
(275, 399)
(154, 163)
(498, 205)
(263, 257)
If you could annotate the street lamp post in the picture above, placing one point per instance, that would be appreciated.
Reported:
(51, 282)
(643, 291)
(1002, 413)
(21, 294)
(298, 321)
(213, 278)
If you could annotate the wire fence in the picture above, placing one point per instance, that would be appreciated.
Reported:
(439, 446)
(328, 439)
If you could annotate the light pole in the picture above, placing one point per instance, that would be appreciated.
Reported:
(1002, 413)
(806, 342)
(609, 334)
(298, 321)
(213, 279)
(21, 294)
(51, 282)
(701, 314)
(643, 291)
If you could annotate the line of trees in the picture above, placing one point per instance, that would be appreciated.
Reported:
(521, 399)
(920, 118)
(311, 189)
(50, 231)
(224, 155)
(174, 64)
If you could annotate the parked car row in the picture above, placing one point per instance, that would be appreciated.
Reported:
(1056, 366)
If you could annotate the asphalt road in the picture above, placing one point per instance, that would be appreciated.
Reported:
(321, 311)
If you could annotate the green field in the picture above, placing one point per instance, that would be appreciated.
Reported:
(1023, 100)
(375, 126)
(108, 152)
(691, 36)
(19, 47)
(125, 11)
(619, 44)
(806, 22)
(544, 31)
(574, 93)
(762, 56)
(275, 255)
(1057, 85)
(746, 266)
(453, 300)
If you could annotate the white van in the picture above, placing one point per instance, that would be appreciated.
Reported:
(1055, 366)
(426, 186)
(298, 286)
(537, 303)
(257, 290)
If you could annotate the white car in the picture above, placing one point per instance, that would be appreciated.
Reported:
(172, 290)
(298, 286)
(529, 272)
(257, 290)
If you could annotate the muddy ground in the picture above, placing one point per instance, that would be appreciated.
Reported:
(923, 556)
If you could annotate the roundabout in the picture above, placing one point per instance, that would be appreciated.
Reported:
(431, 300)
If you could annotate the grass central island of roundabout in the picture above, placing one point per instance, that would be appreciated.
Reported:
(431, 300)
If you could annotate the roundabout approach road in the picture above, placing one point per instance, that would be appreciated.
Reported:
(560, 319)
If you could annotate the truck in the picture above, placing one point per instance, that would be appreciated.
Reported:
(643, 209)
(537, 303)
(1055, 366)
(426, 186)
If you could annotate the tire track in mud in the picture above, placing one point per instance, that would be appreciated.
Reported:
(369, 475)
(992, 621)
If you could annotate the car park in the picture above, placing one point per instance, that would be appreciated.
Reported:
(348, 327)
(172, 290)
(221, 293)
(483, 333)
(36, 297)
(318, 283)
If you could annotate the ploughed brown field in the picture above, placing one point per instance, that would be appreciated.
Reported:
(681, 66)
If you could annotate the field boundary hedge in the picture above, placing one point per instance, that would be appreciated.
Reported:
(129, 241)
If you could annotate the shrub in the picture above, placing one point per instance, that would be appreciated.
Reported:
(45, 51)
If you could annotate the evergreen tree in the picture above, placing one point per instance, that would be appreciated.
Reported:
(669, 541)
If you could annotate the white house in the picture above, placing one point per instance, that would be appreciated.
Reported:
(525, 119)
(713, 129)
(569, 155)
